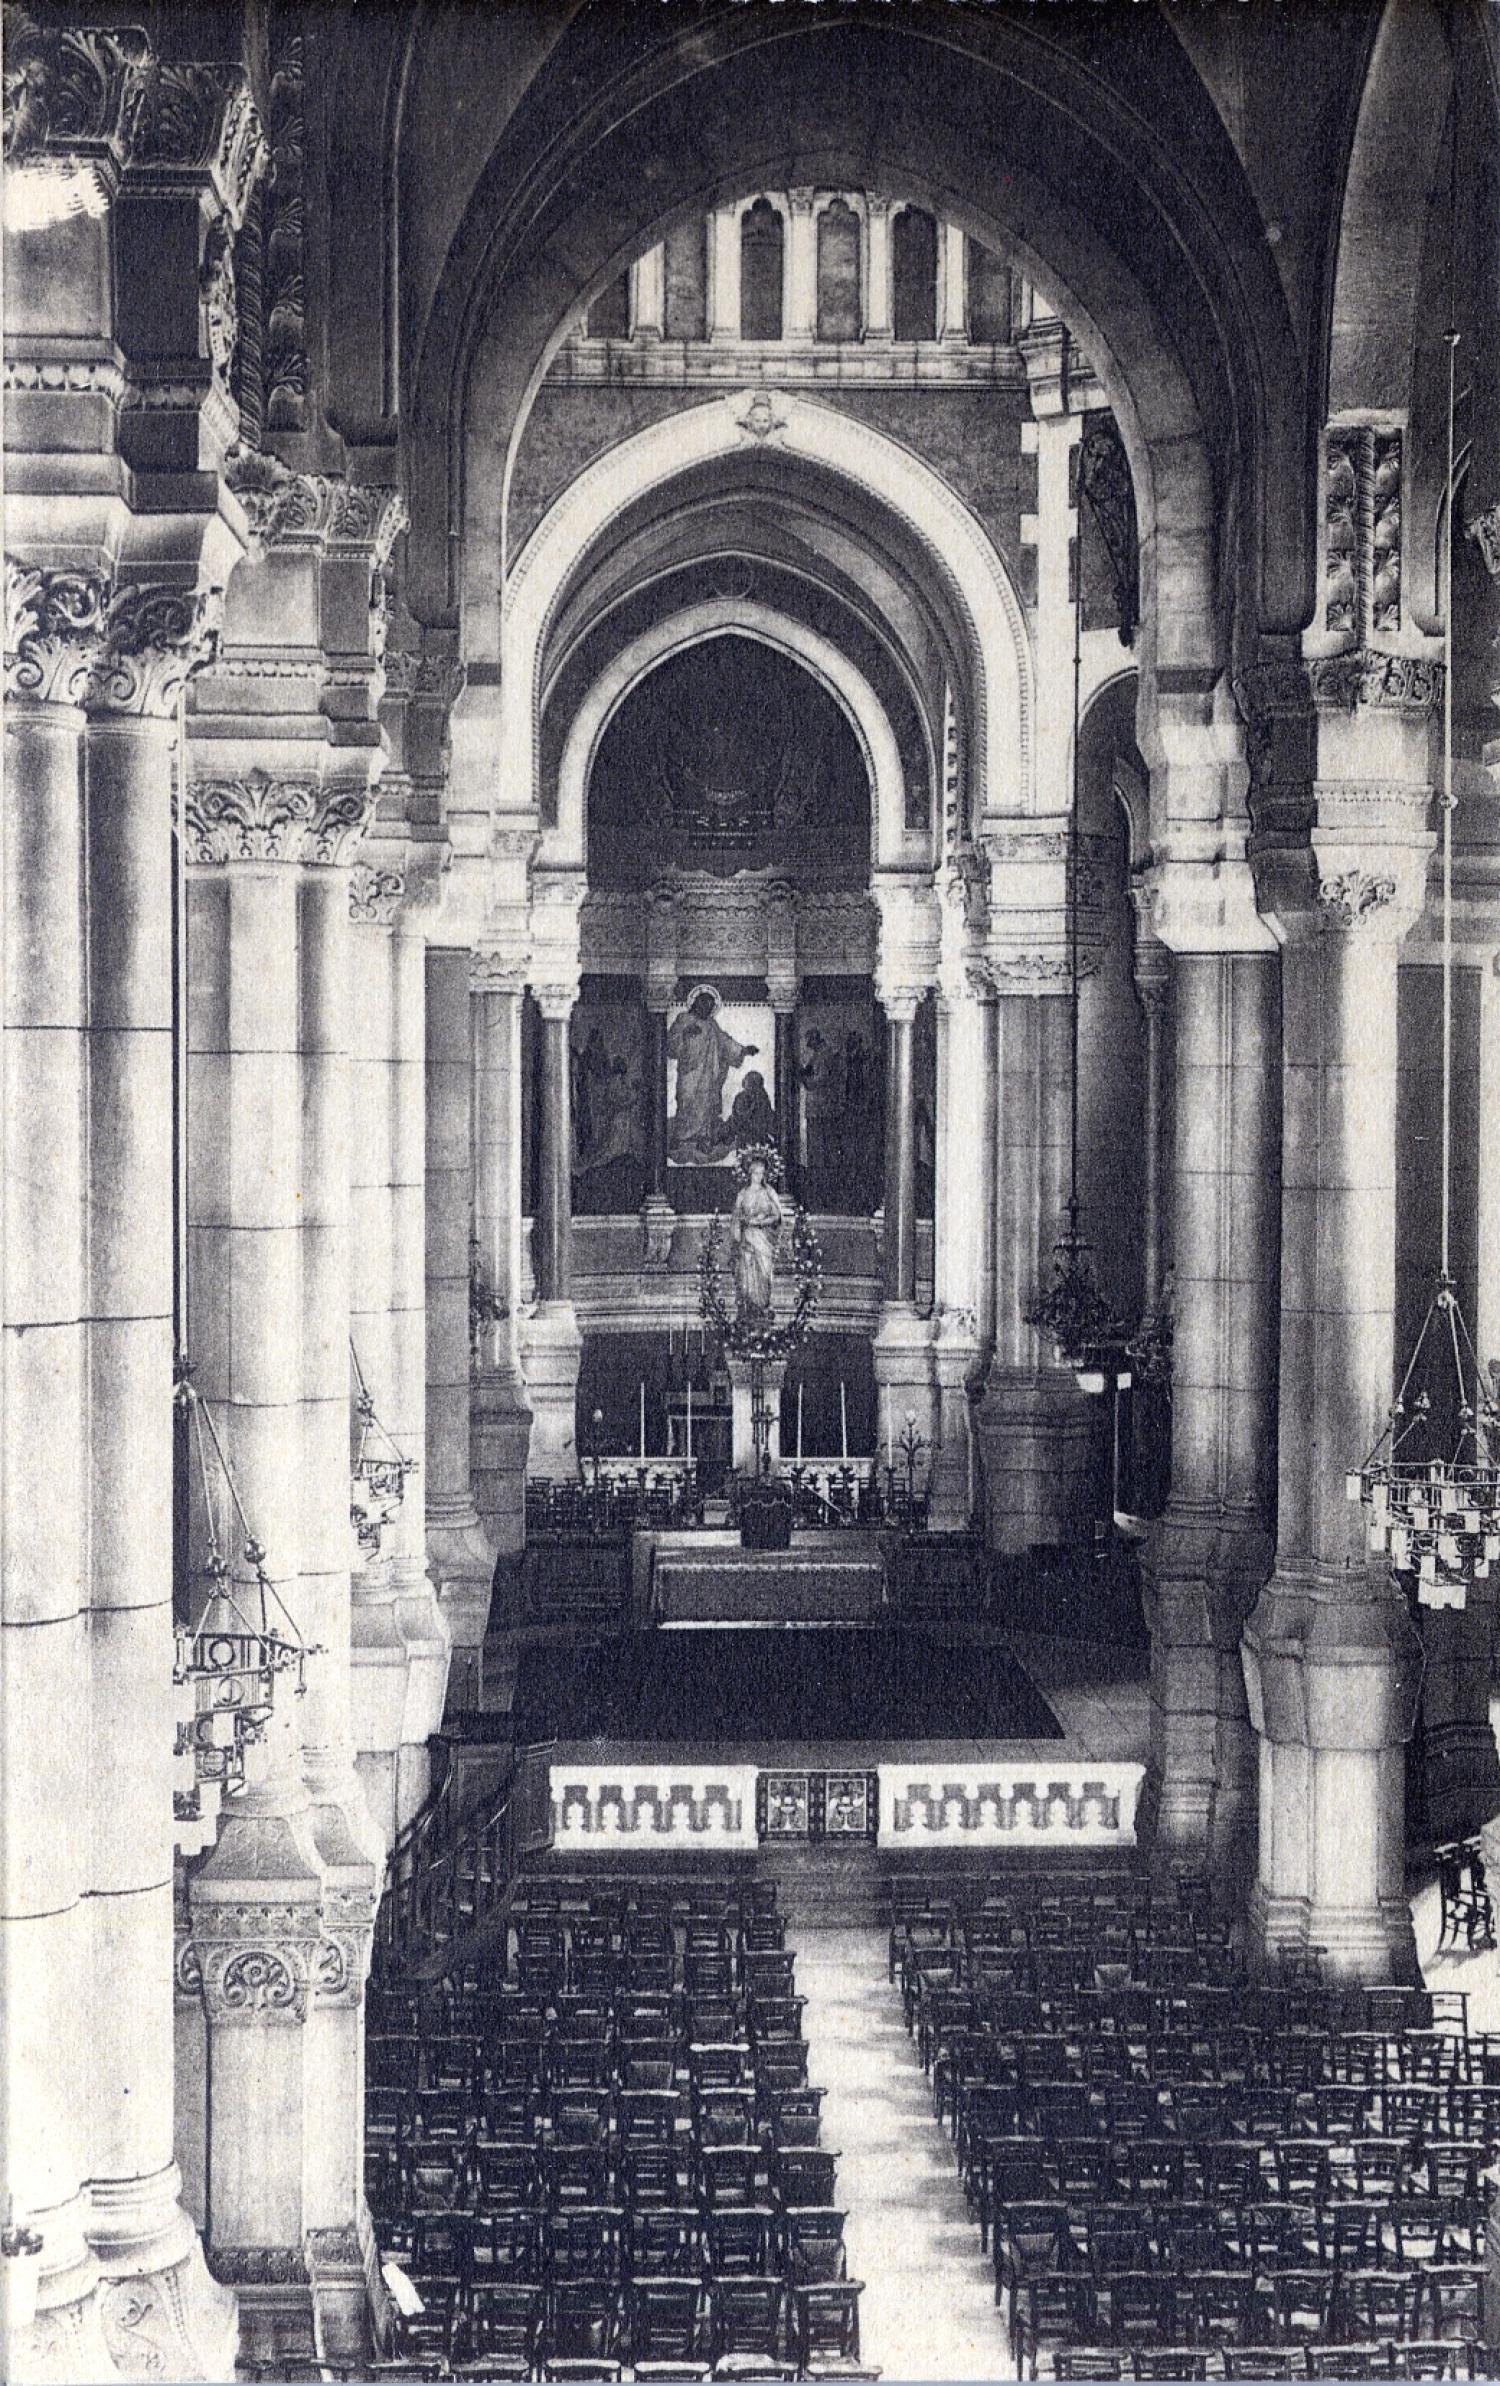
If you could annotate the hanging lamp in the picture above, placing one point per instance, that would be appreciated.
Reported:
(1431, 1489)
(1072, 1310)
(379, 1472)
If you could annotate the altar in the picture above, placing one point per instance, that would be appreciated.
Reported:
(683, 1578)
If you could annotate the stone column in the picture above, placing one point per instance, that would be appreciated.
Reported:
(54, 621)
(964, 1210)
(553, 1345)
(658, 1218)
(1033, 1421)
(1153, 981)
(899, 1262)
(1211, 1553)
(907, 966)
(787, 1089)
(800, 313)
(878, 294)
(501, 1419)
(461, 1560)
(648, 295)
(953, 287)
(1332, 1665)
(256, 1900)
(399, 1640)
(724, 259)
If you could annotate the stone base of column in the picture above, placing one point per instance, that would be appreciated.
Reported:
(162, 2314)
(50, 2312)
(1461, 1769)
(462, 1566)
(1036, 1447)
(551, 1350)
(305, 2303)
(1332, 1673)
(343, 2271)
(901, 1355)
(1202, 1575)
(500, 1432)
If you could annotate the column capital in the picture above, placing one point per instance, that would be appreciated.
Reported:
(258, 818)
(326, 512)
(497, 972)
(555, 997)
(375, 895)
(802, 199)
(85, 638)
(254, 1962)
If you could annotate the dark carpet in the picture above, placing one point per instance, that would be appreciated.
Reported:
(686, 1687)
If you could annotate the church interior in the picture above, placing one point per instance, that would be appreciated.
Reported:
(751, 1205)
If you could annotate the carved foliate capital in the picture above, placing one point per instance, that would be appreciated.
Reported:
(314, 509)
(555, 997)
(375, 896)
(54, 627)
(497, 973)
(155, 638)
(70, 90)
(259, 818)
(1350, 898)
(1485, 532)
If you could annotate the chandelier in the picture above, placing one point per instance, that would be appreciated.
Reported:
(228, 1663)
(1431, 1484)
(379, 1472)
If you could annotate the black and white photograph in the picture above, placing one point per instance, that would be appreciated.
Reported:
(750, 1222)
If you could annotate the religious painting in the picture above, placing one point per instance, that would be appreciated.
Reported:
(610, 1098)
(840, 1082)
(721, 1066)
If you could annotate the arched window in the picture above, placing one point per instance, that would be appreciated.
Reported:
(840, 316)
(914, 275)
(989, 297)
(686, 277)
(609, 316)
(762, 246)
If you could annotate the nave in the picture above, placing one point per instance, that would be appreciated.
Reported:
(1030, 2122)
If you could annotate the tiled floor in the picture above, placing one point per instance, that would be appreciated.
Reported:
(927, 2311)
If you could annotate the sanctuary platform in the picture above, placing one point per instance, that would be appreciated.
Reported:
(711, 1738)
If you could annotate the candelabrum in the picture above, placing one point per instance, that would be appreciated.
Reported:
(911, 1445)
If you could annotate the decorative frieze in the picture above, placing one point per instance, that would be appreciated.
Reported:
(254, 1982)
(286, 375)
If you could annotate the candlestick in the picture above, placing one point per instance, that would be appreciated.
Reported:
(690, 1421)
(843, 1422)
(643, 1416)
(799, 1424)
(890, 1447)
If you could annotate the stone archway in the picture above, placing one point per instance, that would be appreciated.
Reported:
(885, 473)
(564, 846)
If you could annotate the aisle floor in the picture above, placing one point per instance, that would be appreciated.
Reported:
(927, 2311)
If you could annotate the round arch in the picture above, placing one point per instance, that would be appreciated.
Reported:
(564, 846)
(990, 119)
(886, 473)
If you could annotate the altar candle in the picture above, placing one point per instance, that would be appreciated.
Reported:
(643, 1416)
(690, 1421)
(799, 1424)
(843, 1423)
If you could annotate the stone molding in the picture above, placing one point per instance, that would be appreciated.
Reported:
(259, 818)
(83, 638)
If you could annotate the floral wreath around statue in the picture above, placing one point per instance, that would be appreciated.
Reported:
(766, 1342)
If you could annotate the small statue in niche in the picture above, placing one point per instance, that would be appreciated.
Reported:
(754, 1231)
